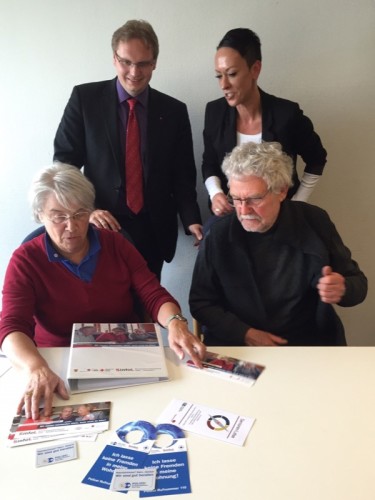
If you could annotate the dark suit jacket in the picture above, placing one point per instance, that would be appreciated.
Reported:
(282, 121)
(89, 136)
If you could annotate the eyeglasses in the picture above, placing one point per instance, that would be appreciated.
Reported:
(249, 202)
(63, 219)
(139, 65)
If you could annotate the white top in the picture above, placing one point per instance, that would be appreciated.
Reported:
(243, 138)
(305, 189)
(213, 184)
(313, 437)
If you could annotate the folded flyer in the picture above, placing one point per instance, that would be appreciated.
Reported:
(230, 368)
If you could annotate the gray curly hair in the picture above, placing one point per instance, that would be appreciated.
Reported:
(265, 160)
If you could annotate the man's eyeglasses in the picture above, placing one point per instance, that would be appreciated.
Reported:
(63, 219)
(139, 65)
(249, 202)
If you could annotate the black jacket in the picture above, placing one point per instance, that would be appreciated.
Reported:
(226, 297)
(88, 136)
(282, 121)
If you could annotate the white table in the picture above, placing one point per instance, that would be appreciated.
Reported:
(314, 437)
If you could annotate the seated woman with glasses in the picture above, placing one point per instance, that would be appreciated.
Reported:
(75, 273)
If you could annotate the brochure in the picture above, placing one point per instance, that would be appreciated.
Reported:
(66, 421)
(230, 368)
(209, 422)
(110, 355)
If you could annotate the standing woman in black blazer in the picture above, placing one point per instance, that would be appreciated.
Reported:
(247, 114)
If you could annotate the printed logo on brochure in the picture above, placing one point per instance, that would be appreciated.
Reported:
(218, 423)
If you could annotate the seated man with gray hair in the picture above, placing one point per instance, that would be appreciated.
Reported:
(268, 273)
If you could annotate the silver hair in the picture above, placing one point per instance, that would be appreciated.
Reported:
(67, 183)
(265, 160)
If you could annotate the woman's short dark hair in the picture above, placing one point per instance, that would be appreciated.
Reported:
(245, 41)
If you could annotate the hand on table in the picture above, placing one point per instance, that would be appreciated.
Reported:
(43, 383)
(182, 341)
(256, 337)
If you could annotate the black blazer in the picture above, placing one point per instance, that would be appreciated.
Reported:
(282, 121)
(89, 136)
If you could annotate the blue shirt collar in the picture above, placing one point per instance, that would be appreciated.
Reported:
(54, 256)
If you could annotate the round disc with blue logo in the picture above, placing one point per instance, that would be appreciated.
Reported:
(146, 428)
(171, 430)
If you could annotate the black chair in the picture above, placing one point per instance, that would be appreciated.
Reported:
(34, 234)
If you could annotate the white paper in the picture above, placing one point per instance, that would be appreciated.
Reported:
(210, 422)
(133, 479)
(51, 455)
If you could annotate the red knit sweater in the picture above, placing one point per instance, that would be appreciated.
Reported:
(43, 299)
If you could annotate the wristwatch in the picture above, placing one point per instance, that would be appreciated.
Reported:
(175, 316)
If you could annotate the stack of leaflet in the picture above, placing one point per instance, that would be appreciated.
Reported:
(71, 421)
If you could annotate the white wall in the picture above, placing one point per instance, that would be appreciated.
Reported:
(319, 53)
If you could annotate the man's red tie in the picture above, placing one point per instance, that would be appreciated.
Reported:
(133, 163)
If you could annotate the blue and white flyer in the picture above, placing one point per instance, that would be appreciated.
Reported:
(120, 453)
(171, 462)
(209, 422)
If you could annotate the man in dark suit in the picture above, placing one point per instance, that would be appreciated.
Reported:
(92, 134)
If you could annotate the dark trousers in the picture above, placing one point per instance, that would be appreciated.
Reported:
(144, 239)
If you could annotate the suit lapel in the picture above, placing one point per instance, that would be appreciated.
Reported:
(267, 118)
(110, 118)
(155, 117)
(230, 129)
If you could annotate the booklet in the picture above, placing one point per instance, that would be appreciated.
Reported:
(209, 422)
(230, 368)
(110, 355)
(69, 420)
